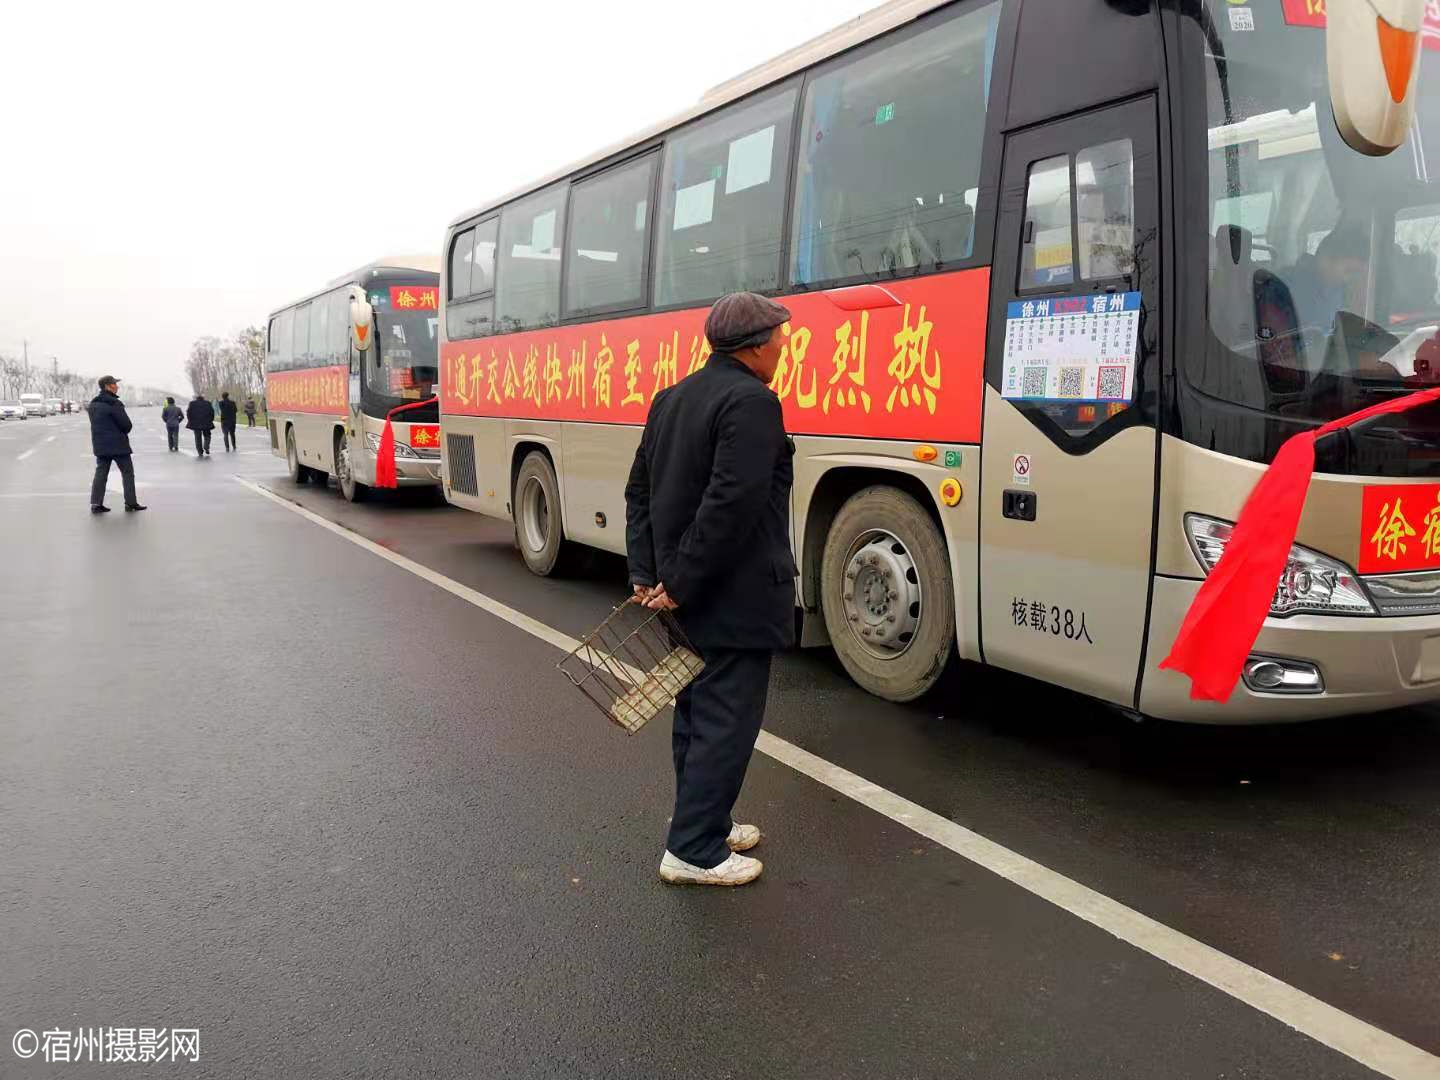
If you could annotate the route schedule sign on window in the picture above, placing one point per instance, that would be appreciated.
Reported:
(1071, 348)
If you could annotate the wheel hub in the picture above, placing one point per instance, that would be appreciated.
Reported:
(881, 594)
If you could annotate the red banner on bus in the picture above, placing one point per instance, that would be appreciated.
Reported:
(1312, 13)
(900, 361)
(414, 298)
(312, 390)
(424, 436)
(1400, 528)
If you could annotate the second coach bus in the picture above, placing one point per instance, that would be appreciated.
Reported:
(340, 359)
(1064, 274)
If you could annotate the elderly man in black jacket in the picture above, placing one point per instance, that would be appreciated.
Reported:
(110, 439)
(707, 532)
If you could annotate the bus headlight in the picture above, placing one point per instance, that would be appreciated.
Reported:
(1310, 582)
(372, 443)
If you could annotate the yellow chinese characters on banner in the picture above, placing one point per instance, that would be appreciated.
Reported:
(1399, 527)
(903, 362)
(312, 390)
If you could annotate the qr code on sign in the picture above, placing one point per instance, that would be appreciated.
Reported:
(1112, 384)
(1072, 382)
(1034, 384)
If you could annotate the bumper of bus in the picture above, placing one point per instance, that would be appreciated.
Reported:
(1365, 663)
(409, 472)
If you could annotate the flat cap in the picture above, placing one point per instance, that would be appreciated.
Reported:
(106, 380)
(737, 318)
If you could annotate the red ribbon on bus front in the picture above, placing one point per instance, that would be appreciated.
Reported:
(385, 476)
(1226, 615)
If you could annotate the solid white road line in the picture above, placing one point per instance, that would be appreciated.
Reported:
(1346, 1034)
(27, 453)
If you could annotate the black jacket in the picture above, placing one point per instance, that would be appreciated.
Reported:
(200, 415)
(707, 508)
(227, 412)
(109, 425)
(172, 415)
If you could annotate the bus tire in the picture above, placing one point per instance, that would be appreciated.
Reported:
(350, 489)
(887, 594)
(539, 528)
(299, 474)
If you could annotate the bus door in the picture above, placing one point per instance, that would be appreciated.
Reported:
(354, 415)
(1069, 447)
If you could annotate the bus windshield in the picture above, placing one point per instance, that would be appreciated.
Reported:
(1323, 289)
(404, 362)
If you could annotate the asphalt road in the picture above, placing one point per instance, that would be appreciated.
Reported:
(258, 781)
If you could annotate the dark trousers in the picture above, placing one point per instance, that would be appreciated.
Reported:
(228, 431)
(202, 441)
(172, 435)
(102, 473)
(717, 719)
(249, 419)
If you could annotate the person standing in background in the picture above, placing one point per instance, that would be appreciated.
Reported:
(110, 440)
(227, 420)
(173, 417)
(200, 418)
(250, 412)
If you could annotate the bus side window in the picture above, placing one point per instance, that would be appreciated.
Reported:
(527, 292)
(470, 304)
(722, 203)
(302, 336)
(609, 226)
(1105, 210)
(281, 332)
(890, 143)
(1047, 255)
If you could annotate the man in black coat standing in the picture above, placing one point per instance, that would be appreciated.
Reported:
(110, 440)
(200, 418)
(707, 533)
(228, 414)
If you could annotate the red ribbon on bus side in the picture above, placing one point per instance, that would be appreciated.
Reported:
(385, 474)
(1226, 615)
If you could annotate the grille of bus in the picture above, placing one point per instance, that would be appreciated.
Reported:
(274, 437)
(460, 455)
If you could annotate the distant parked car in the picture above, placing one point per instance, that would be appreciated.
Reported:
(12, 410)
(52, 406)
(34, 404)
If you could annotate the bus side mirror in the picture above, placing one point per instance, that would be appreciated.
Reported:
(1372, 56)
(362, 322)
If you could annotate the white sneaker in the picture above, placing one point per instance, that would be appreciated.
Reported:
(736, 870)
(743, 837)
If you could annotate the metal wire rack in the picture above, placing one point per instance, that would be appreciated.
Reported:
(632, 665)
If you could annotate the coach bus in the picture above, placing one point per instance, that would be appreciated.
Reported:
(1063, 275)
(338, 360)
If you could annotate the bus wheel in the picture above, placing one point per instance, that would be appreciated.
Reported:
(298, 473)
(351, 490)
(886, 591)
(538, 530)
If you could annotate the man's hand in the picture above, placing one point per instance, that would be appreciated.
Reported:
(642, 592)
(658, 599)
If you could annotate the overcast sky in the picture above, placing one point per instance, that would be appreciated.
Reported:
(170, 170)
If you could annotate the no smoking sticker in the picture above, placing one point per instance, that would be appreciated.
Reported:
(1020, 468)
